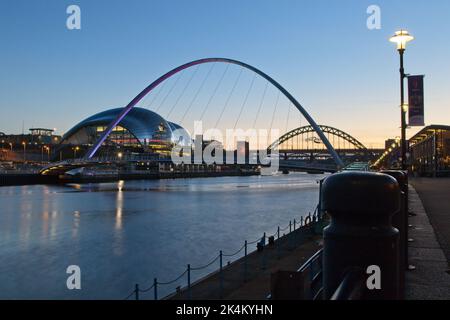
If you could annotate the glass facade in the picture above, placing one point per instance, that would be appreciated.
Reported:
(141, 130)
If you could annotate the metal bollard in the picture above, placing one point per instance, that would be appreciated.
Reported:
(400, 221)
(220, 274)
(360, 233)
(189, 281)
(155, 289)
(136, 291)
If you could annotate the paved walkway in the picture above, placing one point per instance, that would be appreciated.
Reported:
(430, 280)
(435, 196)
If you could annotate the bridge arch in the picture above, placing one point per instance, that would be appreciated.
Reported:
(325, 129)
(176, 70)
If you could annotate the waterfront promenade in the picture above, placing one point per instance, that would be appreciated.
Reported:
(435, 196)
(430, 229)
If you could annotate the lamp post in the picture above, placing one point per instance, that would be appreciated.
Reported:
(401, 38)
(24, 144)
(75, 151)
(46, 148)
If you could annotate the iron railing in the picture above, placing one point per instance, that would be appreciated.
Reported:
(291, 240)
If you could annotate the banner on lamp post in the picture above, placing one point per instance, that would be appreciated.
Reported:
(416, 101)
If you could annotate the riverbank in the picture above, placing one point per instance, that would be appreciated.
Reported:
(249, 277)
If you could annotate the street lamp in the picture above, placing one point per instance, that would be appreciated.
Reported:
(47, 149)
(401, 38)
(75, 151)
(24, 144)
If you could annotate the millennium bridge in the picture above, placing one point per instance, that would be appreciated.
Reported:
(311, 147)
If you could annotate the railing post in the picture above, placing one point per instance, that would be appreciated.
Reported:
(220, 273)
(409, 267)
(245, 261)
(136, 291)
(360, 233)
(294, 224)
(263, 256)
(278, 232)
(189, 281)
(319, 206)
(301, 221)
(400, 221)
(290, 226)
(155, 289)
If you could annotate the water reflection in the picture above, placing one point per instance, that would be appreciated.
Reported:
(130, 232)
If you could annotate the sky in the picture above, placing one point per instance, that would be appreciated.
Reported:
(322, 52)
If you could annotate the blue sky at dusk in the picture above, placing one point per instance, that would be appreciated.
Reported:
(344, 74)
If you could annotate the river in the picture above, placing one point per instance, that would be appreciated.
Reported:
(130, 232)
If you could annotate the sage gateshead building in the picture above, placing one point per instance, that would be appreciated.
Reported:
(141, 131)
(430, 151)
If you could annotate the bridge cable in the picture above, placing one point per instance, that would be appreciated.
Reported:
(182, 92)
(273, 114)
(155, 96)
(245, 101)
(214, 92)
(229, 97)
(260, 104)
(170, 91)
(287, 119)
(197, 93)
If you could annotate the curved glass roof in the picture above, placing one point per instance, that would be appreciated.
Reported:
(144, 124)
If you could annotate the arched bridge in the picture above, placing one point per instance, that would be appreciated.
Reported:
(327, 130)
(171, 73)
(317, 136)
(300, 149)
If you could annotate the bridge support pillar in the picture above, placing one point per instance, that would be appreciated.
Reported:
(360, 234)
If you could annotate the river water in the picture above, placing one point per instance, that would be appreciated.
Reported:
(130, 232)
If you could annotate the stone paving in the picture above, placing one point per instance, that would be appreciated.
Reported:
(430, 280)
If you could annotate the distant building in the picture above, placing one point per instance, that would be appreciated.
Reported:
(34, 146)
(430, 151)
(36, 137)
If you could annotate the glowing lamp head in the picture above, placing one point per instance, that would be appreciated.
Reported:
(401, 38)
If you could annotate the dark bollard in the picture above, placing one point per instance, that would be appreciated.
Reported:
(400, 221)
(360, 234)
